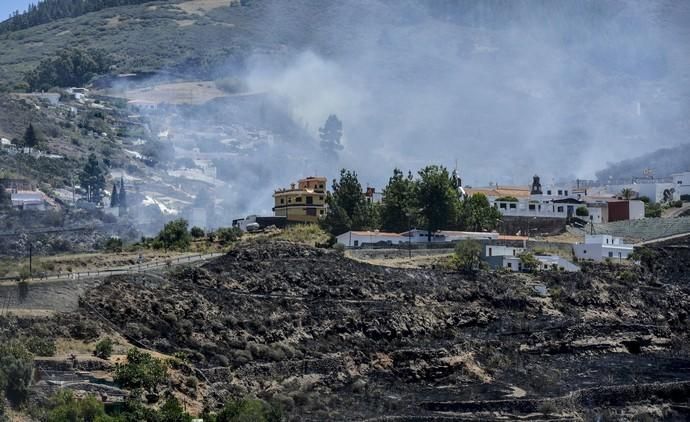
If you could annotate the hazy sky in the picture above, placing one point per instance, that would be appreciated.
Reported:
(9, 6)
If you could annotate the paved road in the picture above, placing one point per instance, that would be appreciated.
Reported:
(148, 266)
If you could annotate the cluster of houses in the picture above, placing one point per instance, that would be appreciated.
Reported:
(25, 196)
(498, 251)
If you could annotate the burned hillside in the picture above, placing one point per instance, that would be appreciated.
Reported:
(327, 337)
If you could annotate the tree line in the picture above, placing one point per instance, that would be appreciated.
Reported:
(430, 200)
(47, 11)
(69, 67)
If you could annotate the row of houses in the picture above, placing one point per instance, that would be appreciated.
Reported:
(498, 251)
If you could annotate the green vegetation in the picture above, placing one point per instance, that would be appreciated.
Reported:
(397, 209)
(173, 236)
(330, 134)
(16, 371)
(477, 214)
(309, 234)
(92, 179)
(104, 348)
(64, 406)
(652, 210)
(247, 410)
(436, 198)
(41, 346)
(197, 232)
(467, 256)
(627, 193)
(348, 208)
(582, 211)
(31, 138)
(507, 199)
(141, 371)
(227, 235)
(46, 11)
(70, 67)
(113, 244)
(529, 262)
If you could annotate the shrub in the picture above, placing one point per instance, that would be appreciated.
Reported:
(582, 211)
(104, 348)
(644, 199)
(652, 210)
(467, 255)
(529, 262)
(65, 407)
(141, 371)
(197, 232)
(228, 235)
(16, 371)
(174, 236)
(41, 346)
(249, 410)
(113, 244)
(507, 199)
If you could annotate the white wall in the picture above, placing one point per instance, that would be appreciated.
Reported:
(681, 183)
(356, 239)
(501, 250)
(636, 209)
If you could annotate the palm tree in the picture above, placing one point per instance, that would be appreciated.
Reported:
(627, 193)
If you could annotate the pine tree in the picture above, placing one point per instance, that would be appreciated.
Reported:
(330, 135)
(123, 196)
(30, 137)
(114, 197)
(92, 179)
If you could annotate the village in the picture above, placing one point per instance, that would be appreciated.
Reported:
(556, 225)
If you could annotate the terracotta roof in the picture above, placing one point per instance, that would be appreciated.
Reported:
(498, 191)
(509, 237)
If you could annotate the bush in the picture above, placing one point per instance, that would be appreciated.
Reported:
(65, 407)
(507, 199)
(113, 244)
(141, 371)
(652, 210)
(16, 371)
(467, 255)
(582, 211)
(41, 346)
(174, 236)
(197, 232)
(228, 235)
(249, 410)
(104, 348)
(644, 199)
(529, 262)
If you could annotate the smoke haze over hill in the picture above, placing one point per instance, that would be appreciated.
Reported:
(505, 88)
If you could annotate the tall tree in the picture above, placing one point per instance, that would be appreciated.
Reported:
(347, 206)
(30, 137)
(5, 198)
(436, 198)
(92, 179)
(397, 208)
(477, 214)
(114, 197)
(331, 134)
(122, 202)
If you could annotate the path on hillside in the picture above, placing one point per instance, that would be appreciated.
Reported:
(677, 212)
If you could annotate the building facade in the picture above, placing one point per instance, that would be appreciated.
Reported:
(601, 247)
(681, 184)
(302, 203)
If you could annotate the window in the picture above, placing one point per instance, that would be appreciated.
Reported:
(490, 251)
(548, 192)
(311, 211)
(532, 207)
(566, 193)
(560, 209)
(560, 192)
(610, 254)
(321, 198)
(356, 242)
(510, 265)
(584, 251)
(310, 200)
(321, 212)
(502, 206)
(320, 186)
(680, 182)
(298, 199)
(282, 200)
(512, 206)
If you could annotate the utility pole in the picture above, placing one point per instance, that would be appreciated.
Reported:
(30, 258)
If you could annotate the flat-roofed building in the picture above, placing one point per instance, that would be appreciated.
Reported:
(304, 202)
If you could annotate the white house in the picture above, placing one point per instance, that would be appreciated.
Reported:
(29, 200)
(546, 262)
(601, 247)
(355, 239)
(681, 183)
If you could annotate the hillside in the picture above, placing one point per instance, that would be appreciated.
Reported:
(663, 163)
(333, 339)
